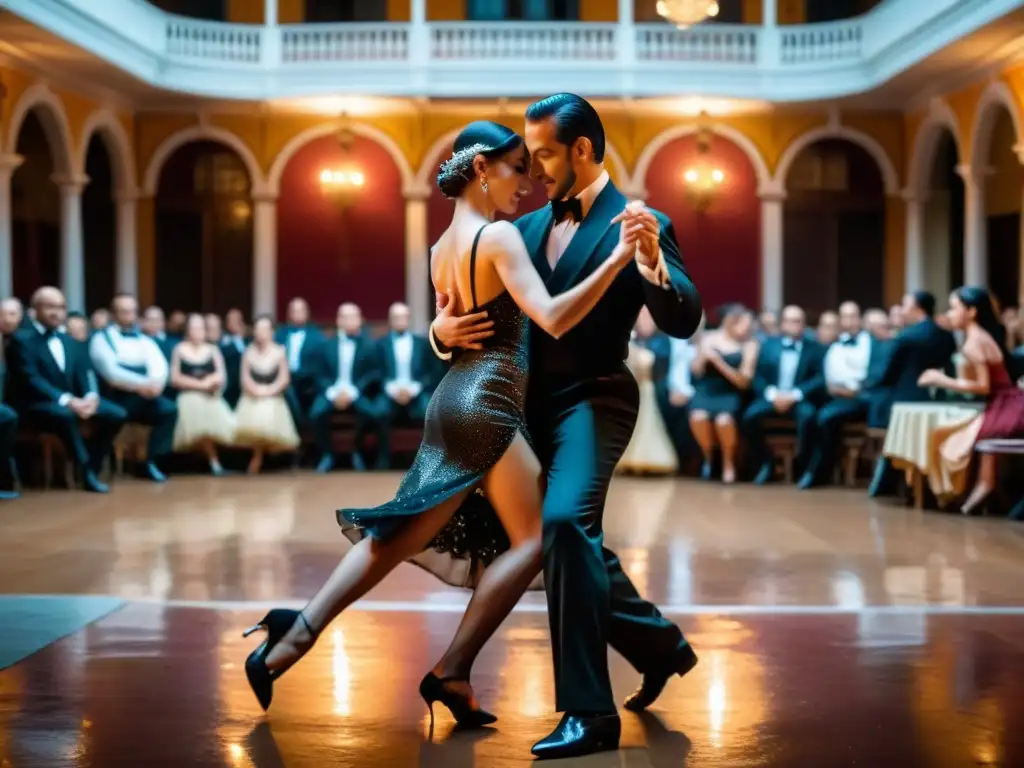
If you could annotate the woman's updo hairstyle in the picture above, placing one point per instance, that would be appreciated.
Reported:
(483, 137)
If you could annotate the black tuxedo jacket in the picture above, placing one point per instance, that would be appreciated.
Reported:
(600, 342)
(915, 350)
(310, 346)
(34, 374)
(425, 367)
(810, 370)
(367, 372)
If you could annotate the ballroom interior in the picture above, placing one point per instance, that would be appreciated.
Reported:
(216, 164)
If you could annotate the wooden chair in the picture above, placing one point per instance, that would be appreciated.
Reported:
(1008, 447)
(854, 439)
(130, 444)
(51, 450)
(781, 439)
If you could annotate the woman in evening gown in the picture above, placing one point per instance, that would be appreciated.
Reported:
(474, 435)
(650, 450)
(984, 374)
(264, 422)
(724, 369)
(197, 374)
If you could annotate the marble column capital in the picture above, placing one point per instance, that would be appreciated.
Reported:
(265, 196)
(71, 185)
(414, 191)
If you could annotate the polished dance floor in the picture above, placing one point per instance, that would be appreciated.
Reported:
(832, 631)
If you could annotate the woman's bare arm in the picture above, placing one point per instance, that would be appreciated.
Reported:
(503, 246)
(284, 375)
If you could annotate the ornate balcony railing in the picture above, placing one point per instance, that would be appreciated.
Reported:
(779, 63)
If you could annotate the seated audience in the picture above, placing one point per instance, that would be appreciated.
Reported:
(828, 328)
(985, 375)
(12, 316)
(724, 367)
(53, 385)
(409, 371)
(176, 325)
(301, 340)
(767, 325)
(789, 383)
(848, 363)
(232, 346)
(133, 374)
(78, 327)
(154, 326)
(8, 429)
(650, 449)
(921, 345)
(197, 374)
(897, 318)
(263, 420)
(673, 388)
(349, 382)
(99, 319)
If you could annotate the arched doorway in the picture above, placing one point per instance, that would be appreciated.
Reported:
(1002, 208)
(35, 209)
(943, 230)
(720, 241)
(834, 227)
(330, 251)
(99, 225)
(204, 234)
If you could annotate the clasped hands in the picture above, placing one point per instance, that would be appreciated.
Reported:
(84, 407)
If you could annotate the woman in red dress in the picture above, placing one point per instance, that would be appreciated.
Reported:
(985, 374)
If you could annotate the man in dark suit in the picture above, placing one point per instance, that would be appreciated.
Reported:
(301, 340)
(55, 388)
(154, 325)
(789, 383)
(349, 377)
(581, 408)
(8, 428)
(920, 346)
(232, 346)
(855, 358)
(409, 374)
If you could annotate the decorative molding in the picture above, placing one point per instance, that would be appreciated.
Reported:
(364, 130)
(669, 135)
(940, 118)
(50, 110)
(175, 141)
(997, 95)
(890, 178)
(119, 148)
(417, 192)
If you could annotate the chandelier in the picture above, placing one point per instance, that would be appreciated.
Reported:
(686, 13)
(345, 183)
(703, 179)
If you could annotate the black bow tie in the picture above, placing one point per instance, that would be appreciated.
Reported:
(849, 341)
(562, 208)
(130, 334)
(49, 333)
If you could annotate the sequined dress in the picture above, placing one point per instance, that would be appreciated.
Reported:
(473, 416)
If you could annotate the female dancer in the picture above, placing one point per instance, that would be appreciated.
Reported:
(474, 437)
(985, 374)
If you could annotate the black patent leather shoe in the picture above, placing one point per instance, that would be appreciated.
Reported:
(578, 735)
(654, 682)
(764, 476)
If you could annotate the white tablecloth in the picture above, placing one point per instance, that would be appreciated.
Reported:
(907, 441)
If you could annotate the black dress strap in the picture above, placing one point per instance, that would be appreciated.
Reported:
(472, 266)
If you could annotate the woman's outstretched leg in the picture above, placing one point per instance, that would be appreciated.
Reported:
(514, 487)
(360, 569)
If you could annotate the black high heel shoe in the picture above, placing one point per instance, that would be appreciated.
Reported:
(276, 624)
(433, 689)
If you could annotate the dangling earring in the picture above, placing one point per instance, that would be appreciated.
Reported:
(483, 184)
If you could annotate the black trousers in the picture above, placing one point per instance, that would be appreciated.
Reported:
(580, 430)
(388, 413)
(677, 423)
(51, 418)
(829, 430)
(802, 415)
(366, 415)
(8, 429)
(160, 414)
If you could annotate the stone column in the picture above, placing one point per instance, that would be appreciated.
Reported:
(417, 259)
(72, 254)
(126, 269)
(913, 257)
(772, 264)
(975, 235)
(8, 165)
(627, 33)
(264, 254)
(769, 47)
(271, 35)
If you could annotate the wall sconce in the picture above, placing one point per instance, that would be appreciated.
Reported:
(702, 179)
(344, 183)
(703, 183)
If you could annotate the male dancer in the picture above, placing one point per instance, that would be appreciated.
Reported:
(581, 408)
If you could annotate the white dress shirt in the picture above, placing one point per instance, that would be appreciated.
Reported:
(561, 235)
(789, 361)
(117, 357)
(402, 344)
(681, 354)
(294, 342)
(346, 361)
(846, 364)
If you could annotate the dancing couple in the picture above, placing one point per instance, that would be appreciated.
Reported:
(525, 430)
